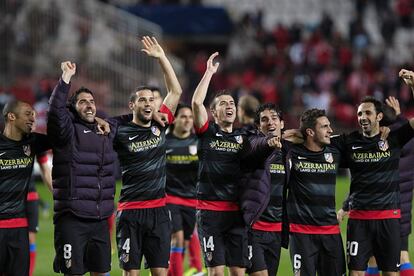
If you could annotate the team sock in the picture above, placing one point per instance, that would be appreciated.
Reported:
(406, 269)
(176, 261)
(32, 258)
(372, 271)
(195, 252)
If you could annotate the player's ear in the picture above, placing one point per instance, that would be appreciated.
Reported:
(380, 116)
(11, 116)
(310, 132)
(131, 105)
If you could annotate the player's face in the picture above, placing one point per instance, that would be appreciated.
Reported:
(368, 119)
(144, 105)
(85, 106)
(270, 123)
(25, 118)
(323, 131)
(157, 99)
(184, 120)
(225, 109)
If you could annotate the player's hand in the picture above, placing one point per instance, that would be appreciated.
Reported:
(103, 126)
(274, 142)
(151, 47)
(384, 132)
(68, 70)
(160, 118)
(293, 135)
(394, 104)
(211, 66)
(341, 214)
(407, 76)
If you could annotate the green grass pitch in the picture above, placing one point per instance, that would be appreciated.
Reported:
(45, 250)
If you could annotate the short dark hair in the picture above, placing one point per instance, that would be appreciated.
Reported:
(133, 96)
(11, 107)
(263, 107)
(308, 119)
(379, 106)
(218, 94)
(74, 98)
(249, 105)
(181, 106)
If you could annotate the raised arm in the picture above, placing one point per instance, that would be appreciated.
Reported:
(408, 78)
(199, 110)
(59, 119)
(45, 171)
(174, 91)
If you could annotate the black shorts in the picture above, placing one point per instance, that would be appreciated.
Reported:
(317, 253)
(14, 251)
(183, 218)
(404, 243)
(81, 245)
(32, 214)
(379, 238)
(143, 232)
(223, 238)
(264, 251)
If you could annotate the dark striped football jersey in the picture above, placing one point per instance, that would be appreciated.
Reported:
(219, 163)
(374, 173)
(141, 152)
(16, 166)
(182, 166)
(312, 181)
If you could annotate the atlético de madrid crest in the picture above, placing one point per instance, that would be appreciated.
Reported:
(239, 139)
(328, 157)
(383, 145)
(192, 149)
(155, 130)
(27, 150)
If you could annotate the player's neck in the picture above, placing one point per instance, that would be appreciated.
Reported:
(181, 134)
(312, 146)
(226, 127)
(371, 133)
(137, 121)
(12, 133)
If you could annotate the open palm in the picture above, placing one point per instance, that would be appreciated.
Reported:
(151, 47)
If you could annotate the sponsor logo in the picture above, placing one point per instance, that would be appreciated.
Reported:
(133, 137)
(356, 147)
(225, 146)
(383, 145)
(328, 157)
(27, 150)
(155, 130)
(370, 156)
(315, 167)
(68, 263)
(219, 134)
(86, 131)
(301, 157)
(144, 145)
(2, 153)
(398, 265)
(169, 151)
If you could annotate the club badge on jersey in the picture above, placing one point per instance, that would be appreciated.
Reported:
(239, 139)
(192, 149)
(155, 130)
(383, 145)
(328, 157)
(27, 150)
